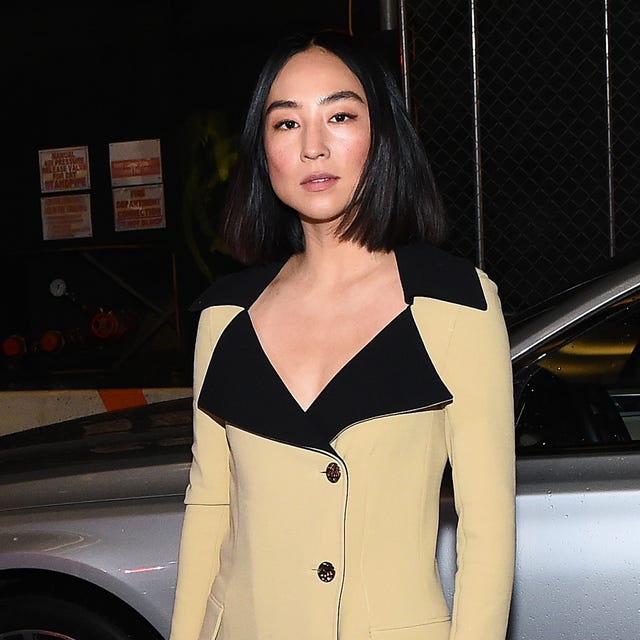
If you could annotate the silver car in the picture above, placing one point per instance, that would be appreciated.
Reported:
(91, 509)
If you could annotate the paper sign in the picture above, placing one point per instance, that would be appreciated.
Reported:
(64, 169)
(137, 208)
(135, 162)
(66, 216)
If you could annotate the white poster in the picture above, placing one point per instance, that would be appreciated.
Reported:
(135, 162)
(137, 208)
(64, 169)
(66, 216)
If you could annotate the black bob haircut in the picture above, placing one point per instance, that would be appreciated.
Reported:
(396, 201)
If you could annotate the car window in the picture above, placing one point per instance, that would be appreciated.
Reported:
(586, 391)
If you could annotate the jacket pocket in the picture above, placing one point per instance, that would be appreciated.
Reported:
(212, 620)
(437, 629)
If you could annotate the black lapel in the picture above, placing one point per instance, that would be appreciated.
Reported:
(392, 374)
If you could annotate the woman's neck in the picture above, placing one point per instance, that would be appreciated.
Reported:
(329, 262)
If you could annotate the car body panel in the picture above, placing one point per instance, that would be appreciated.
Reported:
(585, 302)
(106, 507)
(578, 525)
(128, 549)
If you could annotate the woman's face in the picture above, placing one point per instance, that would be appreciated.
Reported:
(317, 134)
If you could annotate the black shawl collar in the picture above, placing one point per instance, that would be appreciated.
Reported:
(392, 374)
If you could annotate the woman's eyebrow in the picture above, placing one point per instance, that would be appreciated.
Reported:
(332, 97)
(281, 104)
(341, 95)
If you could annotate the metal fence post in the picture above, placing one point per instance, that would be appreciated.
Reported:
(477, 151)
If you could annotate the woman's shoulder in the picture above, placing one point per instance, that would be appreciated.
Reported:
(239, 288)
(428, 271)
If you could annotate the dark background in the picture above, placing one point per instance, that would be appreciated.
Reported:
(95, 73)
(551, 197)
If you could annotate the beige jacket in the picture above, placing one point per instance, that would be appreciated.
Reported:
(322, 524)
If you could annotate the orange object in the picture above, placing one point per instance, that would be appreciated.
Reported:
(111, 324)
(51, 341)
(104, 324)
(14, 346)
(121, 398)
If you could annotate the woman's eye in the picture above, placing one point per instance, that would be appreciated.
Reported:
(343, 117)
(286, 124)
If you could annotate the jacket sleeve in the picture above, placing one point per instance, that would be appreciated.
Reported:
(480, 441)
(206, 519)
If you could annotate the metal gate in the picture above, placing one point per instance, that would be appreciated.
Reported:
(530, 111)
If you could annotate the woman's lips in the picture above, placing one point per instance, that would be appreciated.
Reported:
(319, 181)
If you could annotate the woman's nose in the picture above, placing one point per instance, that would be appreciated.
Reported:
(314, 144)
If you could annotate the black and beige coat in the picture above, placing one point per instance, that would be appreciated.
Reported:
(322, 524)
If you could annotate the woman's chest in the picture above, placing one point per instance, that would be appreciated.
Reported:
(309, 341)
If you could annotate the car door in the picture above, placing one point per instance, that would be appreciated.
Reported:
(578, 479)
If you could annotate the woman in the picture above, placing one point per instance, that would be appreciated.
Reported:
(336, 376)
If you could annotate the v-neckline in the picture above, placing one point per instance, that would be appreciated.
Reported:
(339, 372)
(392, 374)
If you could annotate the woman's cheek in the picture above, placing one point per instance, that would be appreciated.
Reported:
(279, 177)
(277, 160)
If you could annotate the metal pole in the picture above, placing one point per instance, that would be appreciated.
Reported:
(121, 282)
(388, 15)
(612, 219)
(404, 51)
(476, 138)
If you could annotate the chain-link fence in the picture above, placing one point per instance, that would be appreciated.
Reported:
(530, 113)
